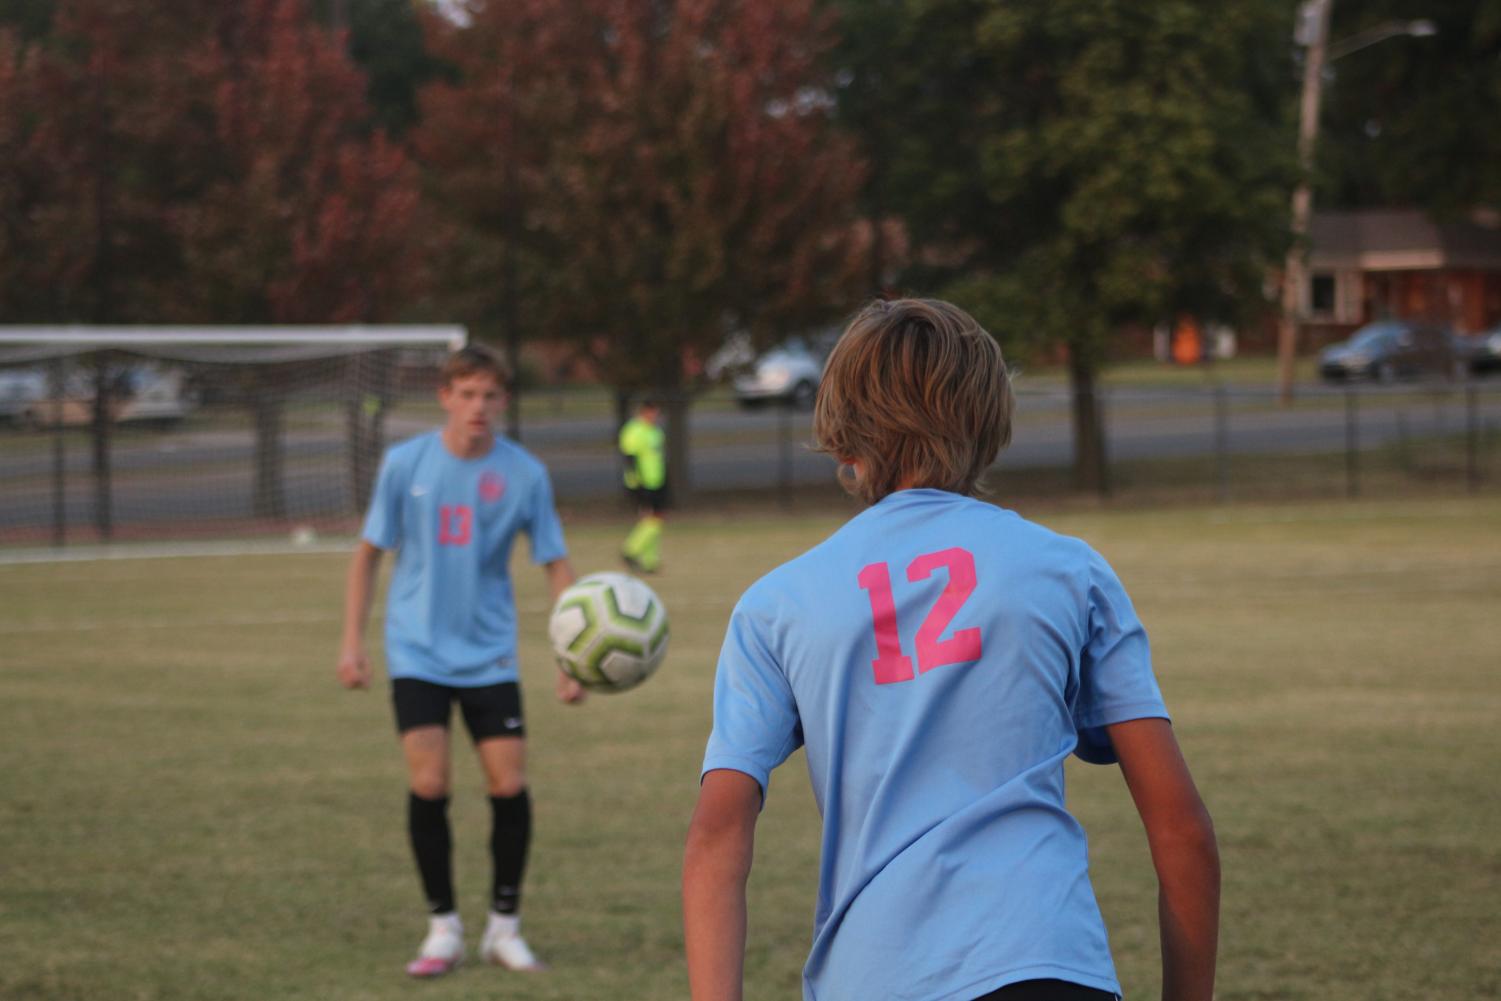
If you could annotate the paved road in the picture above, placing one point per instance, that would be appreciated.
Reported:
(195, 475)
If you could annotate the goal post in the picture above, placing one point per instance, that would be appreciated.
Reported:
(177, 432)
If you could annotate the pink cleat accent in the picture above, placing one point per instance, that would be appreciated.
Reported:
(442, 950)
(431, 966)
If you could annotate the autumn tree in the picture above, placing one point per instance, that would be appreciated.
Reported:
(85, 118)
(660, 173)
(89, 128)
(22, 179)
(296, 212)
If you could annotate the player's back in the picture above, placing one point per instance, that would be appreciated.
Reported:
(938, 654)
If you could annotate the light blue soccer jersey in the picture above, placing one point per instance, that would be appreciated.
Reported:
(451, 613)
(939, 658)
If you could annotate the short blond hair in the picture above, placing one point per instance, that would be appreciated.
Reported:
(472, 359)
(915, 394)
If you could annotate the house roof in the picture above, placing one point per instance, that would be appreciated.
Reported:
(1400, 240)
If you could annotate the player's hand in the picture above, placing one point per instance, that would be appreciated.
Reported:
(354, 669)
(570, 692)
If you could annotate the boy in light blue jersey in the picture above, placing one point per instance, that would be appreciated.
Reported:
(450, 503)
(939, 658)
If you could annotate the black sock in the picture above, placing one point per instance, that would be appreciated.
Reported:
(510, 836)
(427, 823)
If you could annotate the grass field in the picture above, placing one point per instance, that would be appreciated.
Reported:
(190, 807)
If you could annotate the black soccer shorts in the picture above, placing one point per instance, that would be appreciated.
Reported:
(1047, 990)
(489, 710)
(654, 501)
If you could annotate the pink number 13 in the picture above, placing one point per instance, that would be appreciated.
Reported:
(891, 665)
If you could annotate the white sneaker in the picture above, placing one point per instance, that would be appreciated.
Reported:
(504, 946)
(442, 950)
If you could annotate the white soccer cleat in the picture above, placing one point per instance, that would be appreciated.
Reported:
(504, 946)
(442, 950)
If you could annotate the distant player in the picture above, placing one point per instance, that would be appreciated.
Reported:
(450, 503)
(642, 448)
(939, 658)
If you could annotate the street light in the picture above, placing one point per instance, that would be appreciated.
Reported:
(1391, 29)
(1312, 32)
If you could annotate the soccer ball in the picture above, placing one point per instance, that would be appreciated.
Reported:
(609, 631)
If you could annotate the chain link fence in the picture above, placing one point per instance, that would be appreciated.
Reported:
(201, 472)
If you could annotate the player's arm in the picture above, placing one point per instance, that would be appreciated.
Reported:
(1181, 837)
(716, 864)
(560, 577)
(629, 456)
(359, 589)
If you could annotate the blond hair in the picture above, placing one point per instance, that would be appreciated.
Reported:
(915, 394)
(472, 359)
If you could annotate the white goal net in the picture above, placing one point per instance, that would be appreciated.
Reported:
(203, 432)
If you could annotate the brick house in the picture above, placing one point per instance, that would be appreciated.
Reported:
(1371, 264)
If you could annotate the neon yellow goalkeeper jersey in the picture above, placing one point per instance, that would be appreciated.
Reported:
(641, 444)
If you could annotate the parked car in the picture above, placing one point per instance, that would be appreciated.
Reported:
(1481, 352)
(1391, 349)
(140, 394)
(789, 372)
(19, 389)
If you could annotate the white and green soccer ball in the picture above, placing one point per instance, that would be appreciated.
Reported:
(609, 631)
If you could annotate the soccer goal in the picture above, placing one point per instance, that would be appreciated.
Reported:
(112, 433)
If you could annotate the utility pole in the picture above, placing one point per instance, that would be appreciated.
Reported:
(1313, 34)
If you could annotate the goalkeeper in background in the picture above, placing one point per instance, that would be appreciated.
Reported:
(641, 446)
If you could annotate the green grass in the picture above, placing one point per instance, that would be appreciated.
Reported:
(192, 809)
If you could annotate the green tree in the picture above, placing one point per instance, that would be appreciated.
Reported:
(28, 18)
(1411, 121)
(1071, 168)
(384, 38)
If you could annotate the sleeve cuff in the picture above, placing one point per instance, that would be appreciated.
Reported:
(1106, 715)
(1094, 744)
(738, 764)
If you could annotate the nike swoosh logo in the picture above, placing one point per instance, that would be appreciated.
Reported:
(419, 491)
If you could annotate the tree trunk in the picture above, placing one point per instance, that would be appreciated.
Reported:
(622, 409)
(270, 501)
(1091, 470)
(677, 403)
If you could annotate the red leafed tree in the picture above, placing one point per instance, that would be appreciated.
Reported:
(299, 213)
(86, 130)
(21, 180)
(662, 171)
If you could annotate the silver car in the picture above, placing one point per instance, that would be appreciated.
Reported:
(789, 373)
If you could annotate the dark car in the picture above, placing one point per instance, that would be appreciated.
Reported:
(1481, 352)
(1391, 349)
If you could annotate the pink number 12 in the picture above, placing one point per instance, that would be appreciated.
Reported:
(891, 665)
